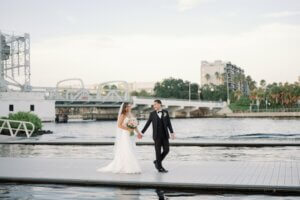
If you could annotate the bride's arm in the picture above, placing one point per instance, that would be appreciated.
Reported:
(137, 130)
(120, 123)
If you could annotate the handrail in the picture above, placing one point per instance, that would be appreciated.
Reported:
(182, 100)
(14, 131)
(269, 110)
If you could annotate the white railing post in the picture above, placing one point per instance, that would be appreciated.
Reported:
(18, 129)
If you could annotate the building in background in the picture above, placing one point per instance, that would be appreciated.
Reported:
(16, 92)
(139, 86)
(219, 72)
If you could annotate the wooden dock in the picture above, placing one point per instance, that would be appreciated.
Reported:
(227, 177)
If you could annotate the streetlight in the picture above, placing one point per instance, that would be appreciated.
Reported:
(228, 100)
(189, 111)
(199, 94)
(189, 92)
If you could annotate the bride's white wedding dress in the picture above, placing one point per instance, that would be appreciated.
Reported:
(125, 159)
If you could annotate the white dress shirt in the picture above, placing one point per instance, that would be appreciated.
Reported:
(159, 113)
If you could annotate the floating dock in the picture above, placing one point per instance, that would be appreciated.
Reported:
(227, 177)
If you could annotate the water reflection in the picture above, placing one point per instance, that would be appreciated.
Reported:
(126, 194)
(160, 194)
(42, 192)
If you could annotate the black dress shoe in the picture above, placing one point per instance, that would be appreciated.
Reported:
(155, 163)
(164, 170)
(160, 170)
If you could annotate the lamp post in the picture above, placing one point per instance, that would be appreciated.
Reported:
(199, 94)
(227, 73)
(189, 92)
(189, 111)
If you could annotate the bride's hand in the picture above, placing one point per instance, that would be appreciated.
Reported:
(139, 136)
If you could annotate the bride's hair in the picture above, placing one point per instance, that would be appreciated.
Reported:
(124, 108)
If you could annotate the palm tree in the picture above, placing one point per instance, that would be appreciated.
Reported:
(263, 83)
(253, 95)
(251, 83)
(223, 77)
(218, 76)
(238, 94)
(207, 76)
(241, 79)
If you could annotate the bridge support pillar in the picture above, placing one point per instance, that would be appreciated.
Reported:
(188, 111)
(172, 110)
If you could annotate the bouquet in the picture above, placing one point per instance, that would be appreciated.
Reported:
(132, 124)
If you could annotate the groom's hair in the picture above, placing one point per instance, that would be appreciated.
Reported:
(158, 101)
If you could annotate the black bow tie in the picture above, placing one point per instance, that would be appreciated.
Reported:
(159, 111)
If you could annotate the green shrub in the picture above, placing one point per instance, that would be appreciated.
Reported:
(243, 101)
(242, 104)
(25, 116)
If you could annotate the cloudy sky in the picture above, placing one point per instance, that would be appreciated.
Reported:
(147, 40)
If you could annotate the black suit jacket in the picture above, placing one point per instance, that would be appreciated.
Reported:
(153, 117)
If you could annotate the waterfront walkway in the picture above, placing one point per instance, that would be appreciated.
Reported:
(250, 177)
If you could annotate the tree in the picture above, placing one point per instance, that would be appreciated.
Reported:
(262, 83)
(207, 77)
(214, 92)
(176, 88)
(237, 94)
(142, 93)
(218, 76)
(251, 83)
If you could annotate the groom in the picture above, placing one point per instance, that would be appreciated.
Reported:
(161, 123)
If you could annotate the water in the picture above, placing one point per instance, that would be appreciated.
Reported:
(45, 192)
(287, 130)
(196, 129)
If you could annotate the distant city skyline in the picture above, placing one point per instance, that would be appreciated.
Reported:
(146, 41)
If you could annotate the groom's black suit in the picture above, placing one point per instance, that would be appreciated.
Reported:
(160, 133)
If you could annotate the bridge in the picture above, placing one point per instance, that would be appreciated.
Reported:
(107, 97)
(71, 96)
(178, 107)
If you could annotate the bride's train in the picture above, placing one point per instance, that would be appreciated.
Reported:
(125, 158)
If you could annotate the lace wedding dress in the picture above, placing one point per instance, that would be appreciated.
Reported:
(125, 159)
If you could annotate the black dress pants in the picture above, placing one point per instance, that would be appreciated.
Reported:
(161, 143)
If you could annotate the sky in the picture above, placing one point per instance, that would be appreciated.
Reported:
(149, 40)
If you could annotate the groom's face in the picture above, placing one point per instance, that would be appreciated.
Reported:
(156, 106)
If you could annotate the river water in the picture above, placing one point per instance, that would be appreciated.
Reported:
(223, 129)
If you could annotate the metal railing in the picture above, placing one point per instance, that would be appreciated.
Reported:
(178, 102)
(269, 110)
(14, 127)
(277, 110)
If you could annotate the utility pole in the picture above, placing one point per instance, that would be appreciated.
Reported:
(227, 74)
(189, 109)
(189, 92)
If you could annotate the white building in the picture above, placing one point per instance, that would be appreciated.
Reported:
(218, 72)
(35, 102)
(211, 72)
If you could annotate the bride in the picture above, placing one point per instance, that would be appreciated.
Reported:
(125, 159)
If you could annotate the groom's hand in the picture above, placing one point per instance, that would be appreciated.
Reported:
(172, 136)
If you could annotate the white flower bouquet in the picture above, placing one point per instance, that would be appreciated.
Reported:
(132, 124)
